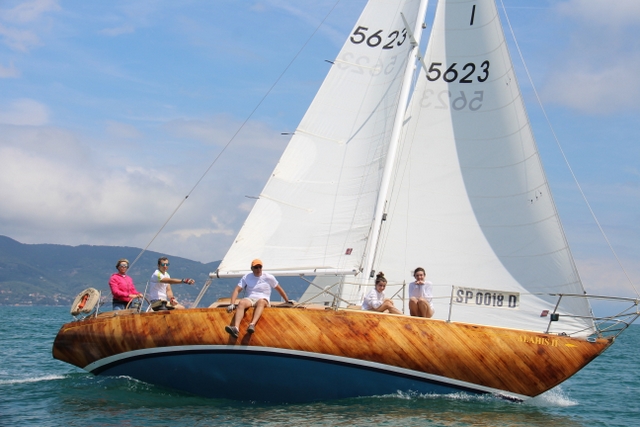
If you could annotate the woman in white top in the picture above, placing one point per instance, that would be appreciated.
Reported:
(421, 295)
(375, 300)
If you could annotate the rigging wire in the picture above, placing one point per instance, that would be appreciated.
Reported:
(555, 137)
(237, 131)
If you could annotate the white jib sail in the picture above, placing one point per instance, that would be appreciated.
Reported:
(470, 202)
(315, 212)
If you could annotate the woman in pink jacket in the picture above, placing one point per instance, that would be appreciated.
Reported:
(122, 286)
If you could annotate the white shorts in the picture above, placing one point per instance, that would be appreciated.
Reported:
(254, 301)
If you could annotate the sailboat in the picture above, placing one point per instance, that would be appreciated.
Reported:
(402, 160)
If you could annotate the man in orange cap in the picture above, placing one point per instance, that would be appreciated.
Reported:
(258, 285)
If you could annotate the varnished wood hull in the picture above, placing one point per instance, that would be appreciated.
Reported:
(304, 354)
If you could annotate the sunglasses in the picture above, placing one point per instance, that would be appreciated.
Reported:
(123, 265)
(255, 267)
(166, 264)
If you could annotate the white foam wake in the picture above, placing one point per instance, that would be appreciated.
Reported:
(554, 397)
(33, 380)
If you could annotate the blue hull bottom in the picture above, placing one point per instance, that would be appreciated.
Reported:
(270, 375)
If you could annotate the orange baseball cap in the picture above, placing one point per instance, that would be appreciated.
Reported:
(256, 262)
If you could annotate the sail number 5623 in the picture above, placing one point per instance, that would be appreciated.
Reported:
(465, 75)
(375, 39)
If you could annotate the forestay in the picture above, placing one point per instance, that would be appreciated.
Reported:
(470, 201)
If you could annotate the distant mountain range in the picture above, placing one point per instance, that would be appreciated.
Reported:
(47, 274)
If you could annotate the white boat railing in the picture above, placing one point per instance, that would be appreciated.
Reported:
(605, 326)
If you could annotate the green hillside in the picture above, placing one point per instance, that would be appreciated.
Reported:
(46, 274)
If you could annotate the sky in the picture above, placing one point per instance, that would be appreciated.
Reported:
(112, 113)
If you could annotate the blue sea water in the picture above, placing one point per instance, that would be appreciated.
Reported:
(36, 390)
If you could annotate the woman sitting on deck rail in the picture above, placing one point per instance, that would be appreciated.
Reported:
(375, 300)
(421, 295)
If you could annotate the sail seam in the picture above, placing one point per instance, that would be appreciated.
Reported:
(522, 224)
(319, 136)
(504, 166)
(508, 196)
(264, 196)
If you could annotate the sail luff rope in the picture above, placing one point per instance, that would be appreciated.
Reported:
(555, 137)
(238, 130)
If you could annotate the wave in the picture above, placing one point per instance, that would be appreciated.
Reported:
(462, 396)
(554, 397)
(33, 380)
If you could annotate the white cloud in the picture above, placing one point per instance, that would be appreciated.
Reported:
(596, 71)
(9, 72)
(217, 227)
(220, 129)
(602, 12)
(129, 16)
(20, 40)
(21, 23)
(634, 171)
(207, 131)
(116, 31)
(57, 186)
(604, 276)
(29, 11)
(24, 112)
(122, 130)
(312, 12)
(54, 184)
(596, 91)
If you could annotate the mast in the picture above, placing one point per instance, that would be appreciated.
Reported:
(415, 35)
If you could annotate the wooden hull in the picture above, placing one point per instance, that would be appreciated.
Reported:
(305, 354)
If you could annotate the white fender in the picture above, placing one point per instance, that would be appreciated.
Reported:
(85, 301)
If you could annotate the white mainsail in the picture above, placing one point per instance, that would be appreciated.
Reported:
(470, 202)
(316, 211)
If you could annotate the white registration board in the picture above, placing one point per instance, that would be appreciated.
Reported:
(485, 298)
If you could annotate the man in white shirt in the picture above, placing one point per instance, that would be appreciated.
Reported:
(258, 290)
(160, 292)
